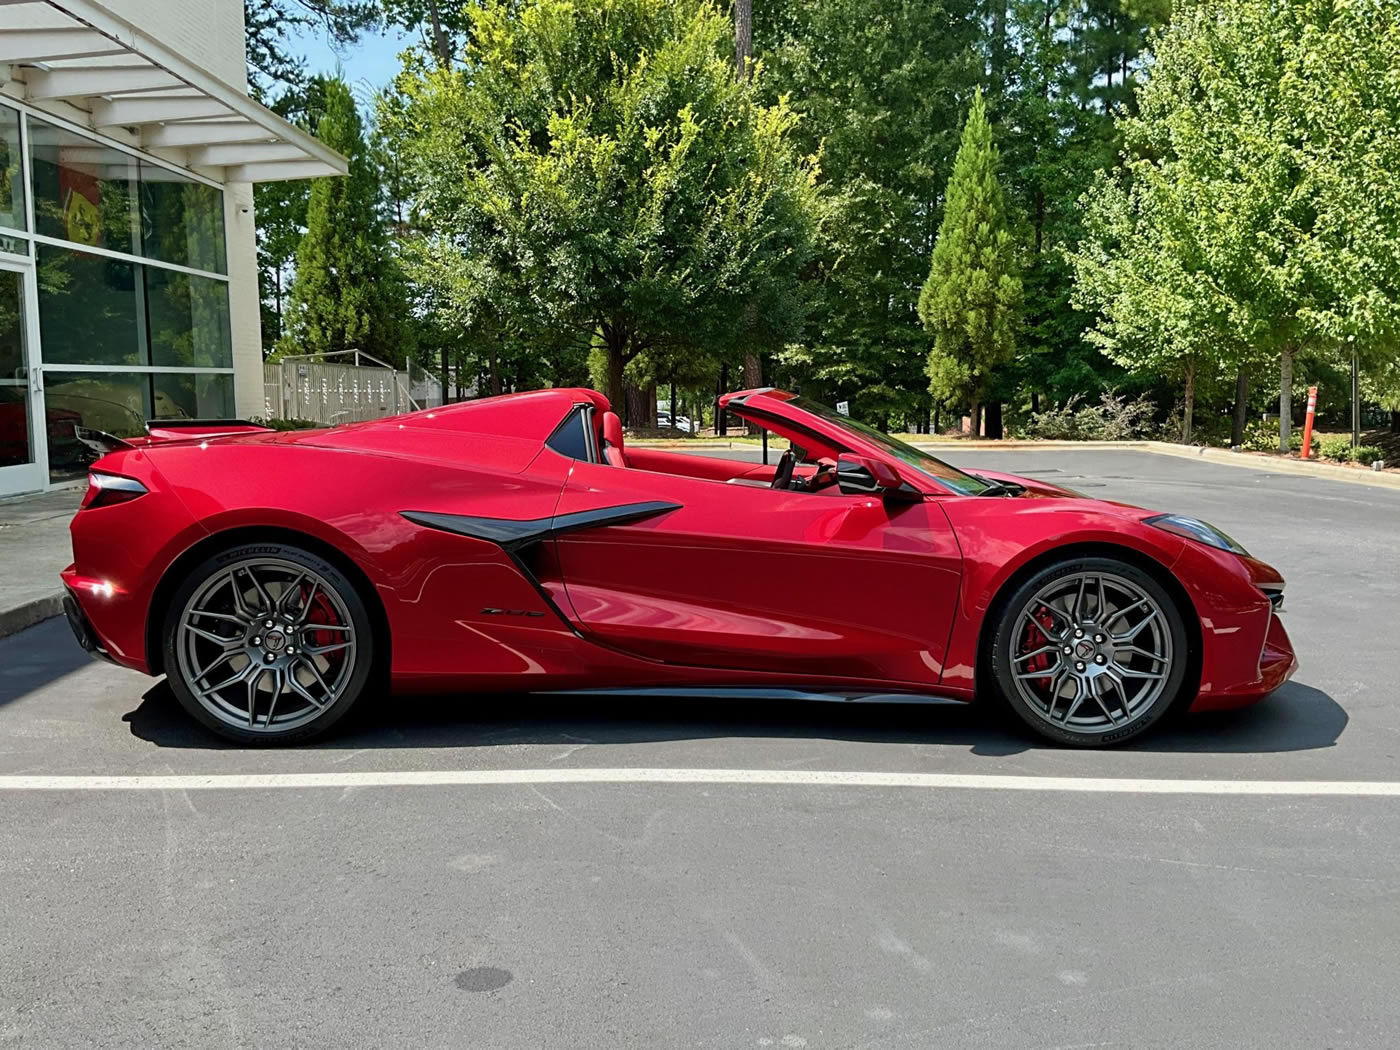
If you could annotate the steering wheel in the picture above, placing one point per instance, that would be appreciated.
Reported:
(782, 479)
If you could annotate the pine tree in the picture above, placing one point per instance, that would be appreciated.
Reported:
(970, 300)
(347, 294)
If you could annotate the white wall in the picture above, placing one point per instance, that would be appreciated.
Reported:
(244, 308)
(208, 33)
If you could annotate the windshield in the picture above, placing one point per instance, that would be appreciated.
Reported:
(949, 477)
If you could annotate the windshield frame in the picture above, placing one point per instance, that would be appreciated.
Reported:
(958, 482)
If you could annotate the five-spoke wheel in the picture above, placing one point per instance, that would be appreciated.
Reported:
(267, 642)
(1090, 652)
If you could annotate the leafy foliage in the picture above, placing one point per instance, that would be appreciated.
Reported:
(881, 90)
(598, 177)
(347, 293)
(1114, 418)
(1254, 216)
(267, 24)
(970, 299)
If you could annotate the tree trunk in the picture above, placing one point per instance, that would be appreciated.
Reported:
(1355, 404)
(615, 367)
(1190, 406)
(976, 414)
(994, 428)
(753, 370)
(635, 406)
(937, 422)
(446, 393)
(440, 43)
(721, 427)
(1241, 408)
(1285, 399)
(1395, 422)
(495, 364)
(743, 37)
(998, 47)
(1035, 402)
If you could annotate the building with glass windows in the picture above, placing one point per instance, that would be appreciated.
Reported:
(128, 264)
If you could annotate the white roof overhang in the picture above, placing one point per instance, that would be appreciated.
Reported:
(79, 53)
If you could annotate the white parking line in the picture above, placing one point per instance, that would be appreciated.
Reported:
(766, 777)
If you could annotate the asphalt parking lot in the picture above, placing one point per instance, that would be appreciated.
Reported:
(524, 911)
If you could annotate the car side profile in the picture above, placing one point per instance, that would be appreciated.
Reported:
(515, 543)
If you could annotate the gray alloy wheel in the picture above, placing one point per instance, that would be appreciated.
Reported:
(1090, 652)
(267, 643)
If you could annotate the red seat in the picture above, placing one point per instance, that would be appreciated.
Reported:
(612, 440)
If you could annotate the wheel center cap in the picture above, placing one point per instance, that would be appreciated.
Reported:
(274, 641)
(1084, 649)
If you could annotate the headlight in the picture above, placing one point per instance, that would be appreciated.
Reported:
(1200, 531)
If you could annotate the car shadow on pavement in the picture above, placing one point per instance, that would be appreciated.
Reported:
(1296, 718)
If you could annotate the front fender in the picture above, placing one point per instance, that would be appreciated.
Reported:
(999, 538)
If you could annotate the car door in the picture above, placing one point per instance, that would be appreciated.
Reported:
(711, 574)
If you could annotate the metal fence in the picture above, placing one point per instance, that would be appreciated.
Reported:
(344, 391)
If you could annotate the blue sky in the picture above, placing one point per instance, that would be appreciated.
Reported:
(367, 65)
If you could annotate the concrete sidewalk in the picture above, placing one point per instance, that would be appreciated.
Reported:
(33, 549)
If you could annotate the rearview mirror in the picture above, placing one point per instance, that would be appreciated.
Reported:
(864, 476)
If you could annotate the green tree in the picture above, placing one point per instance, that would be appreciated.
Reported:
(602, 176)
(267, 24)
(970, 300)
(347, 293)
(442, 23)
(880, 89)
(1072, 68)
(1265, 150)
(1145, 280)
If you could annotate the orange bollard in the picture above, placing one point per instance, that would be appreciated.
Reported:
(1308, 422)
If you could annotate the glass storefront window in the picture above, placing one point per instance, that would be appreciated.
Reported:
(83, 191)
(119, 317)
(11, 171)
(114, 402)
(182, 221)
(89, 309)
(193, 395)
(188, 320)
(16, 445)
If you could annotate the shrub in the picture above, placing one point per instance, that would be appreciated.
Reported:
(1367, 454)
(286, 424)
(1260, 436)
(1338, 448)
(1114, 418)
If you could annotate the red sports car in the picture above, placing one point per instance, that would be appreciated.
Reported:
(515, 543)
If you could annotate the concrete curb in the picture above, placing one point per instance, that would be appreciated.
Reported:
(1281, 465)
(16, 619)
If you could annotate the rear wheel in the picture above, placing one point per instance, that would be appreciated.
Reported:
(1090, 652)
(267, 643)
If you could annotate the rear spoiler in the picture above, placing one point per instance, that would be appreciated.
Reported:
(190, 429)
(161, 431)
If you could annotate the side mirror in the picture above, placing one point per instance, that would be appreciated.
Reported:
(863, 476)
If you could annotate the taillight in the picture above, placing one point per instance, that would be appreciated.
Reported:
(106, 489)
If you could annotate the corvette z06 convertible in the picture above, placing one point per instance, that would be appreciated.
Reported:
(515, 543)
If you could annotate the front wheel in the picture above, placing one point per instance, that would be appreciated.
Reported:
(267, 643)
(1090, 652)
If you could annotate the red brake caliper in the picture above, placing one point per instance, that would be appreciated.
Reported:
(323, 612)
(1035, 637)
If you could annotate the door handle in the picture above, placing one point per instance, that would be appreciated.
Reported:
(36, 380)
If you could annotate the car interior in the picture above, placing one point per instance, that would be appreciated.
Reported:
(597, 438)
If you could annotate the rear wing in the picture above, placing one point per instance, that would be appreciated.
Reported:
(163, 431)
(198, 429)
